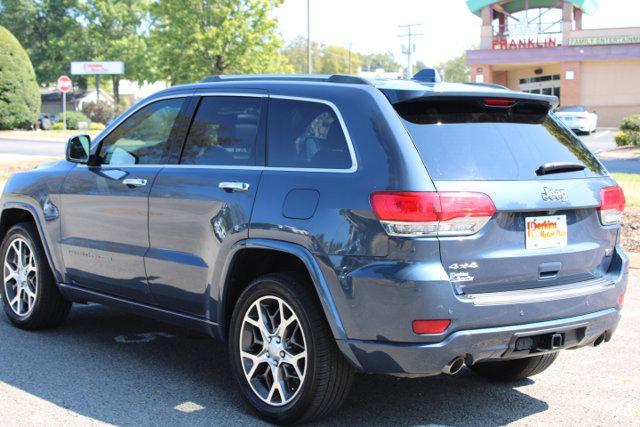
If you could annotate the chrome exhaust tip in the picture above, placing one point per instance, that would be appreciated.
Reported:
(600, 339)
(454, 366)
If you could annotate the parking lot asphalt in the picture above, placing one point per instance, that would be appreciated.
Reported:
(108, 367)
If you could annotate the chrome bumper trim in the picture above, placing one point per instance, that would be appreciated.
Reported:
(549, 293)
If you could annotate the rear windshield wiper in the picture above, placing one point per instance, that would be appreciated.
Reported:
(558, 167)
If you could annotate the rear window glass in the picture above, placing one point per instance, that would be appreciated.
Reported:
(467, 140)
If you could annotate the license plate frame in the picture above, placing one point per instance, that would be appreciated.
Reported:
(545, 232)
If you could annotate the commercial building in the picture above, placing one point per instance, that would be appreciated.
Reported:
(540, 46)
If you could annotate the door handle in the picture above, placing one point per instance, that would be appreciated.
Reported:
(134, 182)
(233, 186)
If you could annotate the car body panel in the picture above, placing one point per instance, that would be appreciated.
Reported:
(104, 234)
(192, 223)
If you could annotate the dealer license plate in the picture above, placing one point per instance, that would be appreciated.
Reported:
(544, 232)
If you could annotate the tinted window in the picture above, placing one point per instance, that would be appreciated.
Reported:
(223, 132)
(464, 140)
(142, 138)
(305, 134)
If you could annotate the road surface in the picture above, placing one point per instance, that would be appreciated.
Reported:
(41, 147)
(107, 367)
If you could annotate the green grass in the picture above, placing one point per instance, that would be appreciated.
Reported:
(630, 183)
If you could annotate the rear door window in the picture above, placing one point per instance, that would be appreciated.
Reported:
(464, 139)
(305, 134)
(224, 132)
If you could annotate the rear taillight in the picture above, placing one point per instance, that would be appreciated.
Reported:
(611, 205)
(417, 214)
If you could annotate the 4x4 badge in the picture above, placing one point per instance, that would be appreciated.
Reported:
(551, 194)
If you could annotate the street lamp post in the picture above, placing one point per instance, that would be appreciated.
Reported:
(309, 68)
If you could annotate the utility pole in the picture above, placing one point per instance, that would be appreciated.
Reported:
(411, 47)
(350, 71)
(309, 68)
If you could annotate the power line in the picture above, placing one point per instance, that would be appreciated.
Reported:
(411, 47)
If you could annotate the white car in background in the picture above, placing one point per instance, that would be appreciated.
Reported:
(578, 118)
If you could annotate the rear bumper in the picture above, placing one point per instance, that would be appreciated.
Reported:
(474, 345)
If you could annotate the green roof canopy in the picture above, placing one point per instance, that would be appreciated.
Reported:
(587, 6)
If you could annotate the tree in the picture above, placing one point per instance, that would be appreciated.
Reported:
(375, 61)
(335, 60)
(326, 59)
(117, 34)
(19, 93)
(191, 39)
(419, 66)
(51, 32)
(296, 53)
(455, 70)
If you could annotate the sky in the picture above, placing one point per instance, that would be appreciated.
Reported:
(448, 26)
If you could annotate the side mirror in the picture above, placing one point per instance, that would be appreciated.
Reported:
(78, 149)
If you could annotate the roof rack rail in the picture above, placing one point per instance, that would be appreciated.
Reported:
(335, 78)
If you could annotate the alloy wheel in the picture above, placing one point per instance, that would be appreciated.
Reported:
(273, 351)
(20, 277)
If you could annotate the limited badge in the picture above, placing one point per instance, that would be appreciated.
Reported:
(460, 276)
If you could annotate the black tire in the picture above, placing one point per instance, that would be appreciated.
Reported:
(328, 375)
(516, 369)
(49, 309)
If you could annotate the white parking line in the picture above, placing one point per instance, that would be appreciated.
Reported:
(188, 407)
(603, 133)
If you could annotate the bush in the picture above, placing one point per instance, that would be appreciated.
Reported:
(96, 126)
(627, 138)
(57, 126)
(631, 123)
(74, 118)
(99, 112)
(19, 92)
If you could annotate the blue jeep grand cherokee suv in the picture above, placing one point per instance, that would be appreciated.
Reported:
(326, 225)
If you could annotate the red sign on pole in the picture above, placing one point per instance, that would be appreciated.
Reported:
(64, 84)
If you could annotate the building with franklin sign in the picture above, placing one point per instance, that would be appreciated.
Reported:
(540, 46)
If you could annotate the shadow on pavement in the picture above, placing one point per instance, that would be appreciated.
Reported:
(122, 369)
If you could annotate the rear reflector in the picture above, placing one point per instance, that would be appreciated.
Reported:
(450, 213)
(612, 203)
(430, 326)
(621, 300)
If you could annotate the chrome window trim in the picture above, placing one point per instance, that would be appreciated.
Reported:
(352, 153)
